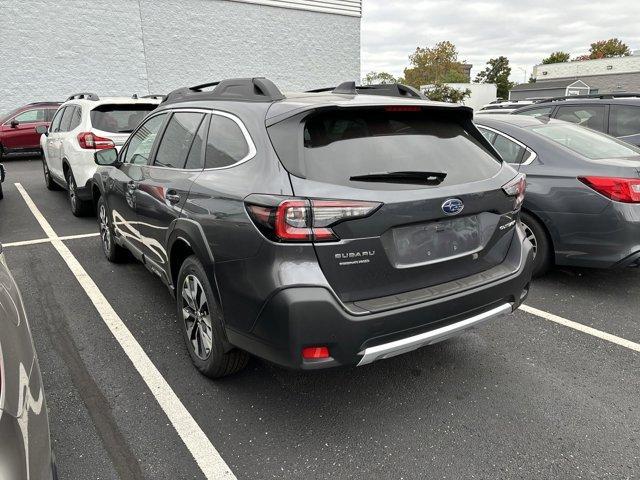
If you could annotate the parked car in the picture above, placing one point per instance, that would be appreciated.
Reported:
(583, 190)
(317, 229)
(17, 128)
(2, 177)
(615, 114)
(503, 106)
(25, 445)
(83, 124)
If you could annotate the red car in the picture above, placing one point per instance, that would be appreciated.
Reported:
(18, 128)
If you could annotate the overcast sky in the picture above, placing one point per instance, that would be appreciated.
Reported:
(524, 31)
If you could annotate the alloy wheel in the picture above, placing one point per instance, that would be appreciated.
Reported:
(47, 175)
(532, 238)
(72, 191)
(105, 234)
(197, 316)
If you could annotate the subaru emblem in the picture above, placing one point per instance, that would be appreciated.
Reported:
(453, 206)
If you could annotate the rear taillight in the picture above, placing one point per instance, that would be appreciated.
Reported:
(516, 188)
(302, 220)
(626, 190)
(92, 141)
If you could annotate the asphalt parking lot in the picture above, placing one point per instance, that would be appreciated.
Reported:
(521, 397)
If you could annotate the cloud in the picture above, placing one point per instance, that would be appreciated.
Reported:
(523, 30)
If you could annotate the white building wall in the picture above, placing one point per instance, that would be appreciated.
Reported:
(121, 47)
(603, 66)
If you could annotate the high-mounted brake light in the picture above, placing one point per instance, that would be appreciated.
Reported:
(90, 141)
(626, 190)
(302, 220)
(516, 188)
(402, 108)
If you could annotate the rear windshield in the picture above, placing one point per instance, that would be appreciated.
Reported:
(342, 144)
(119, 118)
(589, 143)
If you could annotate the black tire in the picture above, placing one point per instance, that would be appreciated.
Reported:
(1, 193)
(198, 316)
(539, 237)
(79, 208)
(48, 181)
(114, 252)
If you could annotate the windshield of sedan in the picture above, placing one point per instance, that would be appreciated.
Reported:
(589, 143)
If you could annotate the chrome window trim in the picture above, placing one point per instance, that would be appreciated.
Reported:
(532, 155)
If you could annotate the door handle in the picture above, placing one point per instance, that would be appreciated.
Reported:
(172, 196)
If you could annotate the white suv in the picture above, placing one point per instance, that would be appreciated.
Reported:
(82, 125)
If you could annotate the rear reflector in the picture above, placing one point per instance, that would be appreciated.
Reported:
(89, 141)
(314, 353)
(626, 190)
(302, 220)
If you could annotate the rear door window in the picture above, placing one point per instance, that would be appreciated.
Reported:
(119, 118)
(49, 113)
(177, 139)
(76, 118)
(624, 120)
(343, 143)
(590, 116)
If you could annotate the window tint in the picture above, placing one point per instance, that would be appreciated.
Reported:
(586, 115)
(536, 112)
(55, 123)
(588, 143)
(342, 144)
(141, 143)
(194, 159)
(510, 151)
(177, 139)
(624, 120)
(75, 118)
(30, 116)
(49, 113)
(65, 123)
(226, 144)
(119, 118)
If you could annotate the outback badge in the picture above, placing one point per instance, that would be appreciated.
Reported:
(452, 206)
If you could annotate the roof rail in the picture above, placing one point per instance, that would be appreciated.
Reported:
(257, 89)
(84, 96)
(156, 96)
(592, 95)
(386, 89)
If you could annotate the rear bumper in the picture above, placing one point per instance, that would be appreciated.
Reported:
(299, 317)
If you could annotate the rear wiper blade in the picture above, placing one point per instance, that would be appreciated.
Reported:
(421, 178)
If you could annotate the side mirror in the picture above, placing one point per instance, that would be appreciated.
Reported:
(14, 123)
(107, 157)
(42, 130)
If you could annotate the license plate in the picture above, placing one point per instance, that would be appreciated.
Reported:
(436, 241)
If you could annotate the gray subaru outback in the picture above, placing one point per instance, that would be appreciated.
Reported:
(333, 227)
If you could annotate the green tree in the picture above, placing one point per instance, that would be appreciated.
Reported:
(497, 71)
(609, 48)
(374, 78)
(434, 65)
(444, 93)
(557, 57)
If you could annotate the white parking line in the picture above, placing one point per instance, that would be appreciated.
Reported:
(582, 328)
(203, 451)
(48, 239)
